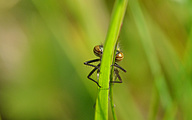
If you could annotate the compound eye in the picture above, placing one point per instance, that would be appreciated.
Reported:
(98, 50)
(119, 56)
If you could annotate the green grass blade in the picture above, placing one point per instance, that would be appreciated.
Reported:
(111, 87)
(154, 64)
(112, 102)
(154, 105)
(101, 112)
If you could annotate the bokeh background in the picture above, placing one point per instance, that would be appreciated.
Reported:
(43, 45)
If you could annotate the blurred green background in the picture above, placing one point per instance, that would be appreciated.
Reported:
(43, 45)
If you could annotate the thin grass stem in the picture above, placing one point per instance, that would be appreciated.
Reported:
(101, 111)
(111, 87)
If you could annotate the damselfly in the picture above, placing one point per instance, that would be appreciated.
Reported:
(98, 51)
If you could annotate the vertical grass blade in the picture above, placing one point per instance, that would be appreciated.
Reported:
(101, 112)
(111, 87)
(148, 45)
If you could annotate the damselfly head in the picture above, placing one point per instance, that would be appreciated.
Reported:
(98, 50)
(119, 55)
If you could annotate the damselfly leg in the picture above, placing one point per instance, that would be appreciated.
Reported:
(116, 65)
(95, 68)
